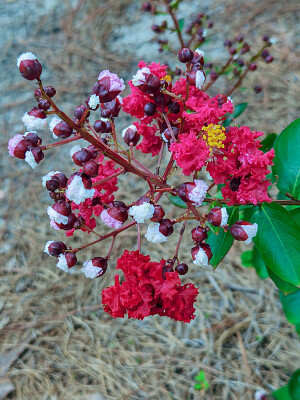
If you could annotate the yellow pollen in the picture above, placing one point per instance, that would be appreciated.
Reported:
(215, 135)
(167, 78)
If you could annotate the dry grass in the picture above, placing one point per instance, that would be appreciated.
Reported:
(72, 349)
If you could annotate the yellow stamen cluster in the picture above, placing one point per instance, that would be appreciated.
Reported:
(167, 78)
(215, 135)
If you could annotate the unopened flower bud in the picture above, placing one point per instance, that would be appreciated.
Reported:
(158, 213)
(111, 108)
(182, 268)
(185, 55)
(115, 214)
(244, 231)
(29, 66)
(34, 156)
(166, 227)
(18, 146)
(201, 254)
(167, 135)
(52, 184)
(130, 135)
(54, 249)
(199, 234)
(257, 89)
(99, 126)
(44, 104)
(66, 261)
(90, 168)
(150, 109)
(94, 268)
(80, 156)
(174, 107)
(35, 119)
(63, 130)
(108, 86)
(234, 184)
(252, 67)
(145, 81)
(38, 94)
(33, 137)
(79, 111)
(193, 191)
(218, 216)
(196, 78)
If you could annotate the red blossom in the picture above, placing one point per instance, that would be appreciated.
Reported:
(151, 143)
(146, 292)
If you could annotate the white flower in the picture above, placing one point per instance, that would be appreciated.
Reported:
(94, 101)
(142, 212)
(251, 231)
(133, 127)
(200, 79)
(198, 194)
(31, 122)
(139, 77)
(201, 258)
(74, 149)
(57, 217)
(154, 235)
(48, 177)
(229, 99)
(90, 271)
(76, 191)
(54, 121)
(259, 394)
(224, 216)
(110, 221)
(46, 249)
(29, 158)
(25, 56)
(200, 52)
(62, 263)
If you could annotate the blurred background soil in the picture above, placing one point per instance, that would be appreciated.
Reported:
(56, 341)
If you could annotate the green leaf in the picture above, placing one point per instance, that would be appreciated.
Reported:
(177, 201)
(282, 285)
(294, 385)
(282, 394)
(291, 306)
(252, 258)
(277, 240)
(174, 4)
(287, 161)
(295, 214)
(268, 142)
(238, 110)
(220, 244)
(181, 24)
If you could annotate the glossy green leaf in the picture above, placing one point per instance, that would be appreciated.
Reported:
(277, 240)
(252, 258)
(181, 24)
(291, 306)
(282, 285)
(220, 244)
(294, 385)
(287, 161)
(295, 213)
(282, 394)
(238, 110)
(177, 201)
(268, 142)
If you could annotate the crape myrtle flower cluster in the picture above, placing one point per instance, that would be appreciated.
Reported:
(176, 119)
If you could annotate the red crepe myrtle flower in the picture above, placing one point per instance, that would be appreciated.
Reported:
(29, 66)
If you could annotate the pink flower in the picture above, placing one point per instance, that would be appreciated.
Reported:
(151, 143)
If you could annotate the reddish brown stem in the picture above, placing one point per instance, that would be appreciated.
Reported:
(176, 24)
(108, 178)
(180, 238)
(223, 69)
(61, 142)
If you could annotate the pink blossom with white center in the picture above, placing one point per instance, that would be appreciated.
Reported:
(48, 177)
(25, 56)
(90, 271)
(62, 263)
(52, 124)
(139, 78)
(31, 122)
(29, 158)
(116, 83)
(57, 217)
(201, 258)
(251, 231)
(198, 194)
(133, 127)
(94, 101)
(13, 143)
(46, 249)
(76, 191)
(141, 212)
(200, 79)
(153, 233)
(225, 216)
(74, 150)
(110, 221)
(53, 225)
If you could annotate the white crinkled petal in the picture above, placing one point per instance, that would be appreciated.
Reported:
(89, 270)
(133, 127)
(224, 216)
(31, 122)
(154, 235)
(110, 221)
(54, 121)
(53, 225)
(139, 77)
(25, 56)
(198, 194)
(48, 177)
(142, 212)
(46, 249)
(94, 101)
(74, 149)
(56, 217)
(201, 258)
(200, 79)
(62, 263)
(76, 191)
(13, 143)
(251, 231)
(200, 52)
(29, 158)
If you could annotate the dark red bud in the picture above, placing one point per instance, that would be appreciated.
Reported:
(185, 55)
(63, 180)
(33, 137)
(174, 107)
(79, 111)
(72, 219)
(38, 94)
(30, 69)
(50, 91)
(182, 269)
(99, 126)
(56, 248)
(166, 227)
(158, 213)
(37, 113)
(82, 156)
(71, 259)
(52, 184)
(37, 154)
(62, 208)
(165, 269)
(118, 211)
(257, 89)
(101, 263)
(44, 104)
(199, 234)
(90, 168)
(131, 136)
(149, 109)
(63, 130)
(214, 216)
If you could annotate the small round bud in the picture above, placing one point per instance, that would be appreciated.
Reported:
(29, 66)
(62, 208)
(130, 135)
(199, 234)
(149, 109)
(239, 38)
(82, 156)
(252, 67)
(158, 213)
(79, 111)
(244, 231)
(92, 149)
(99, 126)
(63, 180)
(232, 51)
(90, 168)
(37, 113)
(38, 94)
(218, 216)
(44, 104)
(182, 269)
(147, 7)
(167, 135)
(266, 38)
(185, 55)
(174, 107)
(33, 137)
(257, 89)
(62, 130)
(228, 43)
(71, 259)
(50, 91)
(269, 59)
(155, 28)
(166, 227)
(105, 113)
(52, 184)
(54, 249)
